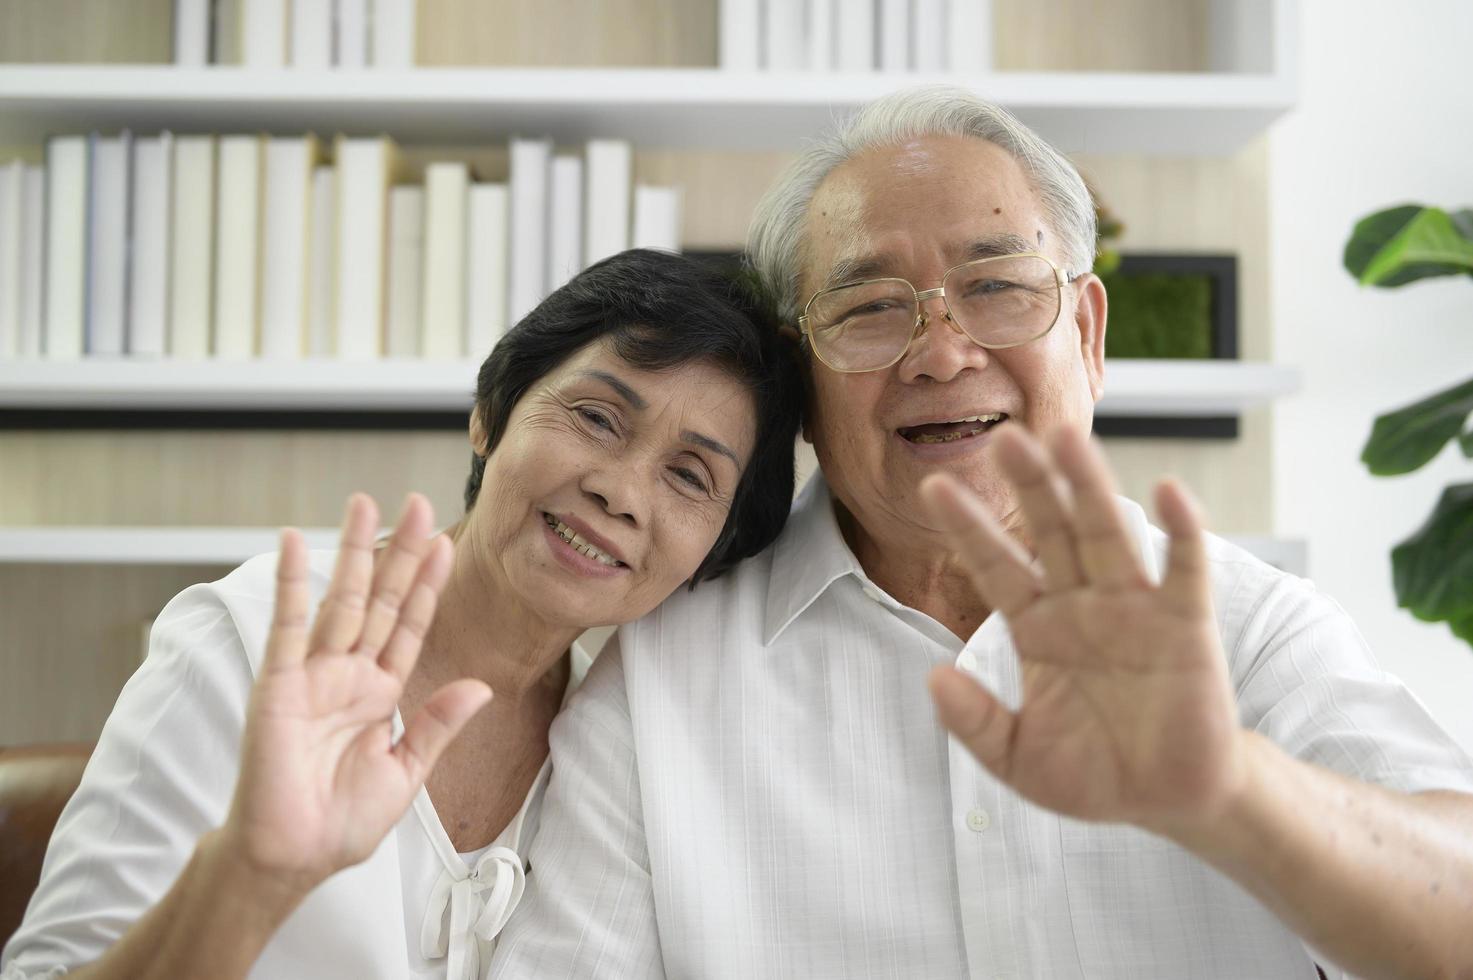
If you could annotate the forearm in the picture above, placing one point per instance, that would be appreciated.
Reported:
(213, 922)
(1379, 881)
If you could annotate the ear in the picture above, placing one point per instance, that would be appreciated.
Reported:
(477, 434)
(1090, 309)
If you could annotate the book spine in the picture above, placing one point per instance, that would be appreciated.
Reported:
(854, 29)
(238, 247)
(66, 246)
(739, 35)
(610, 168)
(442, 320)
(565, 248)
(785, 35)
(191, 266)
(393, 33)
(892, 35)
(821, 41)
(33, 269)
(530, 160)
(12, 224)
(350, 49)
(969, 36)
(322, 264)
(928, 35)
(364, 165)
(406, 257)
(487, 260)
(311, 40)
(107, 261)
(657, 218)
(191, 33)
(148, 293)
(285, 240)
(265, 32)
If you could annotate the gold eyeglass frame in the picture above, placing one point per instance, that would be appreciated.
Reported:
(1061, 279)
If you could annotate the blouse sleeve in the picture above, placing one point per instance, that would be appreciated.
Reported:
(162, 774)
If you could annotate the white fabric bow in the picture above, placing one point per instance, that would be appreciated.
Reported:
(479, 902)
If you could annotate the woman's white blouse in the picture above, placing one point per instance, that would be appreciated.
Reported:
(163, 774)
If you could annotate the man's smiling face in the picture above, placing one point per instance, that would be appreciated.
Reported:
(914, 211)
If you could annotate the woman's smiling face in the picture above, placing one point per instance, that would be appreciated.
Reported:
(610, 484)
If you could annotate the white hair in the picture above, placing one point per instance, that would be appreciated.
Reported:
(775, 239)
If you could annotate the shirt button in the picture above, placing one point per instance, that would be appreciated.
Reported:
(967, 661)
(978, 820)
(873, 593)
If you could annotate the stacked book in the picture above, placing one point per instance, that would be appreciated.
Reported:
(856, 35)
(295, 33)
(283, 247)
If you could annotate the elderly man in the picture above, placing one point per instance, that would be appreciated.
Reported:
(1165, 758)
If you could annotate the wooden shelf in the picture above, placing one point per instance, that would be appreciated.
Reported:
(1133, 387)
(1183, 114)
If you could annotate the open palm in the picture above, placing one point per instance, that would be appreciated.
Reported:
(322, 779)
(1127, 713)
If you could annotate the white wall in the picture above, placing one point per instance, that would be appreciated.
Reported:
(1385, 117)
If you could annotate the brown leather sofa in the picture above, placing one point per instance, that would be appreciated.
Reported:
(35, 783)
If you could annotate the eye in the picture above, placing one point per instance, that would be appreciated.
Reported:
(690, 477)
(596, 418)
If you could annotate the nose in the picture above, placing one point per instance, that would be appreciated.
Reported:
(614, 489)
(940, 350)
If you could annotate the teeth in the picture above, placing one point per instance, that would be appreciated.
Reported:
(579, 544)
(994, 417)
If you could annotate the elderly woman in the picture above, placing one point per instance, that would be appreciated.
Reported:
(256, 804)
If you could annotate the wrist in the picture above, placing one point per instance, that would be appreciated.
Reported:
(271, 891)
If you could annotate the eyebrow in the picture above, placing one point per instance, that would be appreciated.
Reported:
(712, 445)
(858, 268)
(620, 388)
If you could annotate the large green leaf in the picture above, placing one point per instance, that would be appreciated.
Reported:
(1407, 243)
(1403, 440)
(1433, 569)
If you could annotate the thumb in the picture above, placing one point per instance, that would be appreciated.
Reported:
(977, 719)
(437, 723)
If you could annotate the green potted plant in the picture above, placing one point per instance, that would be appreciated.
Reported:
(1432, 570)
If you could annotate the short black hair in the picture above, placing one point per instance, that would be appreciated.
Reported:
(660, 310)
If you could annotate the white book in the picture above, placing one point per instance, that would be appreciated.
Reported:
(350, 47)
(527, 283)
(406, 258)
(657, 218)
(892, 35)
(565, 244)
(286, 230)
(366, 167)
(969, 36)
(928, 35)
(739, 35)
(487, 245)
(191, 33)
(107, 245)
(12, 226)
(311, 33)
(393, 33)
(33, 268)
(821, 41)
(148, 282)
(610, 171)
(192, 259)
(265, 31)
(238, 247)
(322, 264)
(785, 34)
(442, 316)
(854, 35)
(66, 246)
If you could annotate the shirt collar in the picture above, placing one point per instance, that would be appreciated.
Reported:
(811, 554)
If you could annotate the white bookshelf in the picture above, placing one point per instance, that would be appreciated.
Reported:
(1194, 113)
(1132, 387)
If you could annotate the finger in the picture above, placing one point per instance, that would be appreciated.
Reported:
(413, 622)
(340, 615)
(1106, 550)
(1045, 505)
(1186, 583)
(1000, 567)
(286, 645)
(978, 720)
(395, 572)
(437, 723)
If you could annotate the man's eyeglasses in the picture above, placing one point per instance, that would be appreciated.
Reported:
(998, 302)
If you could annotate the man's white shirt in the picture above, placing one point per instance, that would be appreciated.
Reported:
(753, 783)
